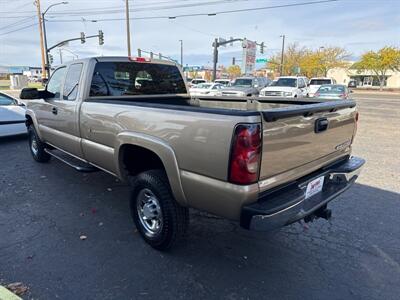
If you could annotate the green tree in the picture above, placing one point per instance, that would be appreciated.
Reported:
(380, 62)
(311, 62)
(234, 71)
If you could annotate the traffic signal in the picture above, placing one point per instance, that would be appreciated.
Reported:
(233, 61)
(51, 59)
(83, 38)
(101, 37)
(262, 48)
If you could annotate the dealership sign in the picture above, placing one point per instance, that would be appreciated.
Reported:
(249, 56)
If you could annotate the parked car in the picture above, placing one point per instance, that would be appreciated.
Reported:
(206, 89)
(352, 83)
(287, 87)
(333, 91)
(315, 83)
(196, 81)
(246, 86)
(12, 116)
(224, 82)
(265, 165)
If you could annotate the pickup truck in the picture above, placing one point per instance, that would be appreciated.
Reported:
(265, 163)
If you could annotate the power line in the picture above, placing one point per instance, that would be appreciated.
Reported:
(19, 29)
(205, 14)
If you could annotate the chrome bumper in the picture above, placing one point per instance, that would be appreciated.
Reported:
(288, 204)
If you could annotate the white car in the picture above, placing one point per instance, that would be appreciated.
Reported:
(196, 81)
(315, 84)
(224, 82)
(206, 89)
(287, 87)
(12, 116)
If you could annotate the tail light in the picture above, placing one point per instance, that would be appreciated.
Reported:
(139, 59)
(245, 154)
(316, 95)
(343, 96)
(356, 117)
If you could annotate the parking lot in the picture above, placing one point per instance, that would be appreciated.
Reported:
(45, 208)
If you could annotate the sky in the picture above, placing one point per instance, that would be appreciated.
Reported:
(356, 25)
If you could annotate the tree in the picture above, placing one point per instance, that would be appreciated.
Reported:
(380, 62)
(312, 63)
(234, 71)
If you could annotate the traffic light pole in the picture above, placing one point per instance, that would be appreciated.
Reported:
(45, 46)
(216, 44)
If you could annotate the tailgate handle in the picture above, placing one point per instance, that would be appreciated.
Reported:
(321, 125)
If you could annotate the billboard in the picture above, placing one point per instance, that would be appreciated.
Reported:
(249, 56)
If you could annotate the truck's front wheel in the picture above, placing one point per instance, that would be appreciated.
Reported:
(36, 146)
(160, 220)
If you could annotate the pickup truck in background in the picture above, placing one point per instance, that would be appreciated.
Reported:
(265, 163)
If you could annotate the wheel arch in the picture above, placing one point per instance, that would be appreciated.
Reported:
(156, 153)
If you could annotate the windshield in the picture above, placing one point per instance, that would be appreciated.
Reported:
(132, 78)
(243, 82)
(203, 86)
(331, 89)
(291, 82)
(320, 81)
(5, 101)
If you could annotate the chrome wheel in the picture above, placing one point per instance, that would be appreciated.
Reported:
(149, 212)
(34, 145)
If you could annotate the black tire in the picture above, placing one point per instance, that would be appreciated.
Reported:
(175, 218)
(36, 146)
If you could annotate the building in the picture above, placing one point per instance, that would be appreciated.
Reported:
(33, 73)
(365, 79)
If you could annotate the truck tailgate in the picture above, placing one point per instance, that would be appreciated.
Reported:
(291, 140)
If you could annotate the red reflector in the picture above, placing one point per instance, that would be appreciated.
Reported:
(357, 116)
(139, 59)
(245, 154)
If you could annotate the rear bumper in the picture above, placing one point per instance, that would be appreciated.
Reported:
(288, 204)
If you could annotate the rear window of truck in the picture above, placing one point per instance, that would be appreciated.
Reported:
(135, 79)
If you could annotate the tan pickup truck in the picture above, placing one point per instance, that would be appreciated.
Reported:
(263, 162)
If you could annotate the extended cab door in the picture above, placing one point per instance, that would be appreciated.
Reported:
(60, 120)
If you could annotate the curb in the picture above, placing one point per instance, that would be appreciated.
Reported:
(7, 295)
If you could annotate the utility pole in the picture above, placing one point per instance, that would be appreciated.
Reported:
(128, 28)
(283, 51)
(215, 60)
(37, 3)
(181, 41)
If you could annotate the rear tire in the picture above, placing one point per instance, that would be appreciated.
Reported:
(160, 220)
(36, 146)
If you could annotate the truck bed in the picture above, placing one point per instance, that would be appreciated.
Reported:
(291, 147)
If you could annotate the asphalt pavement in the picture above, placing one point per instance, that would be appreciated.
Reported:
(45, 208)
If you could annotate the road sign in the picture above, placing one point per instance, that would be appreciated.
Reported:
(249, 56)
(261, 60)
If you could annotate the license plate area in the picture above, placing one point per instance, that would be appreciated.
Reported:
(314, 187)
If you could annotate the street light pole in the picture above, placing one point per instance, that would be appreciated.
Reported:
(181, 41)
(283, 51)
(45, 36)
(128, 28)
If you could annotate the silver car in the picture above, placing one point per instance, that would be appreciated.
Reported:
(333, 91)
(12, 116)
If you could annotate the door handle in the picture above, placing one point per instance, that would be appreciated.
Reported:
(54, 110)
(321, 125)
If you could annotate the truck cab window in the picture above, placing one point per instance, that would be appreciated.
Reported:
(135, 79)
(55, 83)
(72, 82)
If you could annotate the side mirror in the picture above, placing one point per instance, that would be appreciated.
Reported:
(29, 93)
